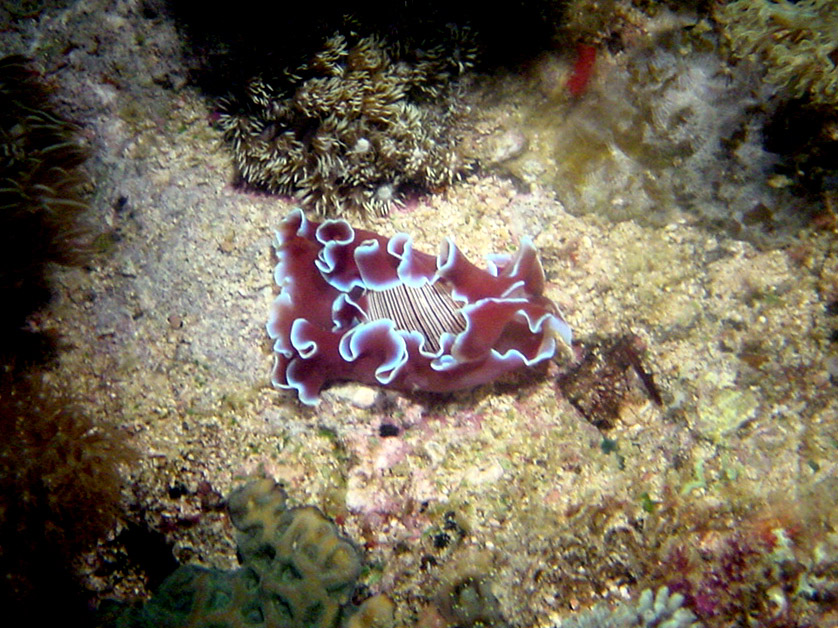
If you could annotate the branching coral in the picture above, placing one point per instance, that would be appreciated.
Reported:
(798, 41)
(353, 126)
(653, 609)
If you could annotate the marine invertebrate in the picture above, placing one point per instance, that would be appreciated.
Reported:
(60, 492)
(354, 126)
(583, 69)
(465, 596)
(653, 609)
(355, 305)
(298, 572)
(796, 40)
(41, 186)
(306, 569)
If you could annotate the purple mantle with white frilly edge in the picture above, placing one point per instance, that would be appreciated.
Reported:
(354, 305)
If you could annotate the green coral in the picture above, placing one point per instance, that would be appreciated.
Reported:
(298, 572)
(354, 126)
(798, 41)
(196, 596)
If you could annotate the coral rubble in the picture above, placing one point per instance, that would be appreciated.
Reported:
(354, 126)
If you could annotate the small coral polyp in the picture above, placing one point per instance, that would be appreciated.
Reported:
(355, 305)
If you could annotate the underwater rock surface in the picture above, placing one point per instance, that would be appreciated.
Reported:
(667, 130)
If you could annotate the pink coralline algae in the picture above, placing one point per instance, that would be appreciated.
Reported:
(354, 305)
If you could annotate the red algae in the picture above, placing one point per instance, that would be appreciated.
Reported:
(583, 69)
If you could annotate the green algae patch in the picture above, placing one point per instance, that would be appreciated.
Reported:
(724, 411)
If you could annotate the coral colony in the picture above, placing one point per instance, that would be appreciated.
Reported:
(352, 127)
(354, 305)
(297, 572)
(795, 41)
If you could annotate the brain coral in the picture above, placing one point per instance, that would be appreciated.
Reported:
(306, 569)
(297, 572)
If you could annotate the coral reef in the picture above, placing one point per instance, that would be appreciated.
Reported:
(298, 572)
(161, 338)
(795, 40)
(354, 305)
(652, 610)
(41, 194)
(354, 126)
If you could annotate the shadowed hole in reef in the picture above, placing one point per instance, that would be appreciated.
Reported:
(288, 573)
(150, 551)
(252, 613)
(264, 555)
(313, 615)
(282, 609)
(219, 600)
